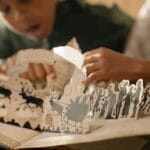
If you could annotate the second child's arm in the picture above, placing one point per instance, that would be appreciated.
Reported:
(104, 64)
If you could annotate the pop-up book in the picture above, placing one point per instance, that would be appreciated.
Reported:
(64, 107)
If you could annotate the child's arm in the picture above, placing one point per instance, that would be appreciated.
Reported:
(104, 64)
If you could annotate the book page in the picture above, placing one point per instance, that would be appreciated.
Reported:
(101, 130)
(11, 136)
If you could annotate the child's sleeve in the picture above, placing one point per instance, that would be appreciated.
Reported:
(5, 50)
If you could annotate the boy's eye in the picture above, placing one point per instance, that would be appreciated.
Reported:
(6, 9)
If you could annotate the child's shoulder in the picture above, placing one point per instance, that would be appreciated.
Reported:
(3, 30)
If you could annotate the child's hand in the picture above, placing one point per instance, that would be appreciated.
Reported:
(104, 64)
(39, 72)
(36, 71)
(3, 75)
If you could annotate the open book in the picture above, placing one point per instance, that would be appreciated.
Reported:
(65, 109)
(21, 138)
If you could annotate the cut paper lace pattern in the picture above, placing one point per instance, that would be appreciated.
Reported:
(72, 115)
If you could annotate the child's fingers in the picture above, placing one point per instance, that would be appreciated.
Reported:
(49, 70)
(31, 73)
(91, 59)
(39, 71)
(95, 76)
(92, 67)
(35, 72)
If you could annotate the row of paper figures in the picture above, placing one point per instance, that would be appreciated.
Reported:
(74, 110)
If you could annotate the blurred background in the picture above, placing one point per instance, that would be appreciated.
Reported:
(131, 7)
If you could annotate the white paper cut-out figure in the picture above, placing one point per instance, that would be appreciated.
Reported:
(112, 97)
(145, 104)
(123, 90)
(137, 97)
(104, 103)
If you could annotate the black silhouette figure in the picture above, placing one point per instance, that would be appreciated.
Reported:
(6, 92)
(123, 91)
(31, 99)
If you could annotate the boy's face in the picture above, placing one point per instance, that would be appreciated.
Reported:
(31, 17)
